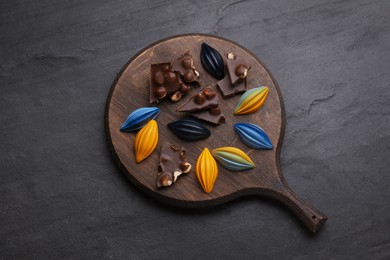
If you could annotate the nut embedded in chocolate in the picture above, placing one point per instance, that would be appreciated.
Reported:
(241, 71)
(189, 76)
(159, 78)
(185, 167)
(187, 63)
(215, 111)
(165, 67)
(165, 180)
(199, 98)
(184, 89)
(170, 77)
(209, 93)
(176, 97)
(161, 92)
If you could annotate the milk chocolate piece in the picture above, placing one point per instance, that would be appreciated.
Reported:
(213, 116)
(185, 66)
(203, 100)
(173, 163)
(237, 67)
(228, 90)
(163, 82)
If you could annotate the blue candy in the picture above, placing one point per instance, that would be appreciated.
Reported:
(253, 136)
(139, 118)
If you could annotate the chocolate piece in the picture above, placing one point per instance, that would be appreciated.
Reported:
(163, 82)
(185, 66)
(200, 102)
(228, 90)
(173, 163)
(213, 116)
(237, 67)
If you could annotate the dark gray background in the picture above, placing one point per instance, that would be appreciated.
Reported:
(62, 196)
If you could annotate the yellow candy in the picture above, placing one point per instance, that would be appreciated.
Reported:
(206, 170)
(251, 101)
(146, 141)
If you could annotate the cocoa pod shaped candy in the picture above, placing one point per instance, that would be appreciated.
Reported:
(253, 136)
(139, 118)
(212, 61)
(189, 130)
(146, 141)
(233, 158)
(206, 170)
(251, 101)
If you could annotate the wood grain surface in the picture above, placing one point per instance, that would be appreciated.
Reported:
(131, 90)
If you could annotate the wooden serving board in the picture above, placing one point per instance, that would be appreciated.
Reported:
(131, 91)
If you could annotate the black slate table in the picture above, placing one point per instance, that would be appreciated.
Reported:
(62, 196)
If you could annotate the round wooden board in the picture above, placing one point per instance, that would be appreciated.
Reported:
(131, 91)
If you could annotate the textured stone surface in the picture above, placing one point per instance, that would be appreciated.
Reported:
(61, 196)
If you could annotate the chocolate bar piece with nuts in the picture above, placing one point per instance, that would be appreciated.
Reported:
(213, 116)
(165, 83)
(206, 99)
(173, 163)
(237, 67)
(228, 90)
(185, 66)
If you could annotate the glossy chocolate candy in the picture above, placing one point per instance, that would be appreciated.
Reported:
(212, 61)
(189, 130)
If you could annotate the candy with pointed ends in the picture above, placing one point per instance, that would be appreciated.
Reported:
(139, 117)
(233, 158)
(212, 61)
(189, 130)
(206, 170)
(251, 101)
(146, 141)
(253, 136)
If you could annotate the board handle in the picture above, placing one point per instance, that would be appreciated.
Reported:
(311, 217)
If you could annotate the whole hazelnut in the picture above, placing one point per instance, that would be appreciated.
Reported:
(215, 111)
(165, 68)
(170, 77)
(241, 71)
(161, 92)
(159, 78)
(199, 98)
(209, 93)
(184, 89)
(187, 63)
(189, 76)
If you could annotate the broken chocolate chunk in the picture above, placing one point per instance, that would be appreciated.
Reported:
(203, 100)
(163, 82)
(173, 163)
(213, 116)
(228, 90)
(185, 66)
(237, 68)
